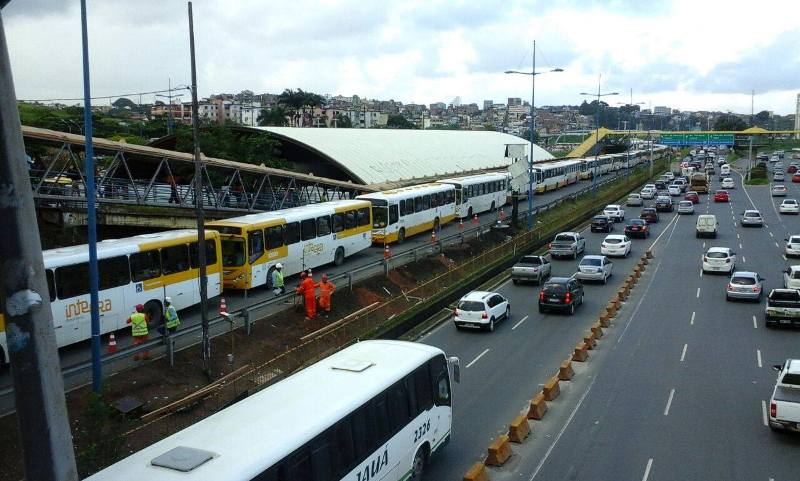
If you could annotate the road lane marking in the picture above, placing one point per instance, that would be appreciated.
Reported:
(520, 322)
(698, 293)
(476, 359)
(784, 257)
(704, 244)
(738, 236)
(683, 354)
(770, 234)
(669, 402)
(755, 324)
(776, 245)
(691, 322)
(647, 469)
(758, 355)
(764, 412)
(743, 259)
(740, 246)
(701, 272)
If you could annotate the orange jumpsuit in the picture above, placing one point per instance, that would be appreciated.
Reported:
(308, 289)
(326, 288)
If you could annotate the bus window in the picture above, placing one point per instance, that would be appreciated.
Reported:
(403, 207)
(345, 449)
(321, 460)
(435, 200)
(232, 253)
(441, 381)
(363, 216)
(337, 221)
(323, 225)
(418, 204)
(274, 236)
(450, 196)
(393, 214)
(308, 229)
(422, 386)
(72, 280)
(114, 272)
(426, 202)
(382, 427)
(174, 259)
(300, 466)
(398, 405)
(145, 265)
(350, 220)
(211, 253)
(255, 244)
(458, 197)
(292, 233)
(51, 284)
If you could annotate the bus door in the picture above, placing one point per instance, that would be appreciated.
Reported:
(255, 253)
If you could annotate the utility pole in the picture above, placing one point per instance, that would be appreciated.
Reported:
(38, 385)
(198, 198)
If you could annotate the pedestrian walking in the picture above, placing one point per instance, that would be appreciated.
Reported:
(278, 287)
(171, 316)
(138, 322)
(326, 288)
(307, 289)
(173, 187)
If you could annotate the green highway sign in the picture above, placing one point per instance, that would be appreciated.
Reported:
(695, 139)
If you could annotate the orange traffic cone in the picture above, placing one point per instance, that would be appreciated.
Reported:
(461, 225)
(433, 237)
(223, 307)
(502, 214)
(112, 344)
(386, 253)
(475, 219)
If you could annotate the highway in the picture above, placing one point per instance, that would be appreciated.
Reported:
(678, 387)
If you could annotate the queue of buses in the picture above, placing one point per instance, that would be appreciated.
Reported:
(242, 252)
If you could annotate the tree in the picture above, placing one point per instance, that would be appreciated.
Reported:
(299, 99)
(398, 122)
(124, 103)
(343, 121)
(729, 123)
(275, 117)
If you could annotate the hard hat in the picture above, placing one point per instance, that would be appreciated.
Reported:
(279, 266)
(324, 277)
(303, 275)
(139, 308)
(168, 299)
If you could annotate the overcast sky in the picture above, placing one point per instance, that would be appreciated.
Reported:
(686, 54)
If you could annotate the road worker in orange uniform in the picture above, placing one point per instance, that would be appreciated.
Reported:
(307, 289)
(138, 322)
(326, 288)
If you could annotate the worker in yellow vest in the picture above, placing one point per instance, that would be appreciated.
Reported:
(171, 316)
(138, 322)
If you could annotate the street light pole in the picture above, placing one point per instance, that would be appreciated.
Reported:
(597, 131)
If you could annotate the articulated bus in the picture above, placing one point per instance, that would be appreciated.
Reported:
(480, 193)
(299, 238)
(377, 410)
(136, 270)
(554, 175)
(401, 213)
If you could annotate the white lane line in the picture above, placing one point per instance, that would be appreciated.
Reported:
(764, 412)
(758, 356)
(647, 469)
(698, 293)
(563, 428)
(704, 244)
(740, 246)
(776, 245)
(476, 359)
(666, 228)
(683, 354)
(755, 324)
(701, 272)
(738, 236)
(743, 259)
(784, 257)
(520, 322)
(691, 321)
(669, 402)
(770, 234)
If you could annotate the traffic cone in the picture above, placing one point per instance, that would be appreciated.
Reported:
(502, 214)
(433, 237)
(461, 225)
(112, 344)
(386, 253)
(223, 307)
(475, 219)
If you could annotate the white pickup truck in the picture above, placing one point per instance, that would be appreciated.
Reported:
(784, 406)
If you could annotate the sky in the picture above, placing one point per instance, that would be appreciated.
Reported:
(685, 54)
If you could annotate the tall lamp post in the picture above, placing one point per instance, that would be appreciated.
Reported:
(599, 95)
(628, 151)
(533, 73)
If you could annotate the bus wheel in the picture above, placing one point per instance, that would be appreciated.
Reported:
(401, 235)
(418, 466)
(338, 258)
(269, 277)
(154, 310)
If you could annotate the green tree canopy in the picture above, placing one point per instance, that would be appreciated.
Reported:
(343, 121)
(398, 122)
(274, 117)
(729, 123)
(299, 99)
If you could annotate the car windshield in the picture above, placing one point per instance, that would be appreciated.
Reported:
(743, 281)
(795, 274)
(564, 237)
(613, 240)
(716, 255)
(785, 295)
(530, 261)
(752, 214)
(790, 202)
(600, 219)
(592, 262)
(794, 240)
(554, 289)
(470, 306)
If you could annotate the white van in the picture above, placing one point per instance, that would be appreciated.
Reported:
(724, 171)
(707, 225)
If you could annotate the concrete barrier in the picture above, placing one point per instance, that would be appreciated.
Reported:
(604, 319)
(617, 302)
(637, 272)
(611, 308)
(550, 390)
(519, 429)
(597, 330)
(581, 352)
(565, 371)
(499, 452)
(632, 281)
(645, 260)
(538, 407)
(476, 472)
(649, 254)
(588, 339)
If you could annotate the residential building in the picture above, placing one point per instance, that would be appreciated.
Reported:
(514, 101)
(661, 110)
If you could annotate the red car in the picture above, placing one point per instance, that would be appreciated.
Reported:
(721, 196)
(693, 196)
(792, 169)
(796, 178)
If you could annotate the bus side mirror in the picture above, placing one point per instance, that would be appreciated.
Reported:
(777, 367)
(456, 368)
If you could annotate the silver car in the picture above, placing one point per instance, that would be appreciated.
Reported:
(745, 285)
(685, 207)
(751, 218)
(778, 190)
(594, 268)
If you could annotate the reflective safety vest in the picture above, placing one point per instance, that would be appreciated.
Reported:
(138, 324)
(172, 317)
(277, 278)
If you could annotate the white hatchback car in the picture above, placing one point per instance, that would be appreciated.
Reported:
(615, 212)
(616, 245)
(481, 309)
(789, 206)
(595, 268)
(791, 277)
(674, 190)
(719, 259)
(728, 183)
(792, 248)
(648, 193)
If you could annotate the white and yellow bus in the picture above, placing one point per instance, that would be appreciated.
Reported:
(377, 410)
(479, 193)
(136, 270)
(299, 238)
(555, 175)
(401, 213)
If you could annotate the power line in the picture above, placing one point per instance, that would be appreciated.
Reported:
(180, 87)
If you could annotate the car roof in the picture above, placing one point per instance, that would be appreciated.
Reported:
(719, 249)
(684, 202)
(594, 257)
(793, 366)
(751, 211)
(745, 274)
(477, 296)
(612, 206)
(636, 221)
(558, 280)
(615, 236)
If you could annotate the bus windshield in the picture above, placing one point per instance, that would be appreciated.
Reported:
(380, 215)
(233, 252)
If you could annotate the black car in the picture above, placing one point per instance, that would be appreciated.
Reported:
(649, 215)
(664, 204)
(637, 228)
(561, 293)
(661, 185)
(601, 223)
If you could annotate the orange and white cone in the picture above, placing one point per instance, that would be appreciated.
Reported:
(386, 253)
(112, 344)
(461, 225)
(223, 306)
(433, 237)
(475, 219)
(502, 214)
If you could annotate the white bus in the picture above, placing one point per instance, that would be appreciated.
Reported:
(479, 193)
(377, 410)
(554, 175)
(401, 213)
(299, 238)
(136, 270)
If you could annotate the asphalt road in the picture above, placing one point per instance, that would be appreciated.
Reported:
(678, 388)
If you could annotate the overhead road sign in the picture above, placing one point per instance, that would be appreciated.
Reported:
(688, 139)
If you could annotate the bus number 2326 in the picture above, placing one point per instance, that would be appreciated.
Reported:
(420, 431)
